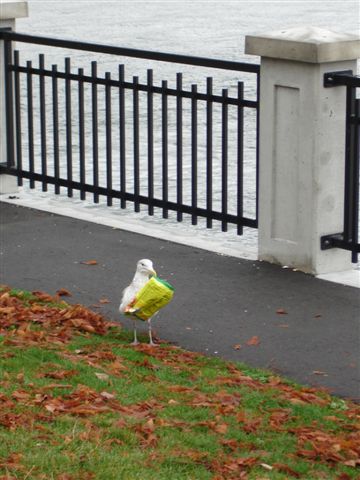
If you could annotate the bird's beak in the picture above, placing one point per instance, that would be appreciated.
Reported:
(153, 273)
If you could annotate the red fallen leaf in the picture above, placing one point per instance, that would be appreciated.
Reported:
(21, 396)
(82, 324)
(251, 426)
(237, 346)
(104, 300)
(194, 455)
(62, 292)
(231, 443)
(278, 417)
(221, 428)
(43, 296)
(12, 462)
(281, 311)
(89, 262)
(253, 341)
(343, 476)
(286, 469)
(60, 374)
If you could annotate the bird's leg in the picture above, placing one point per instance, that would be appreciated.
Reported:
(135, 342)
(150, 335)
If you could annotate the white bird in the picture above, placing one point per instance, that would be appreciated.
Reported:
(144, 271)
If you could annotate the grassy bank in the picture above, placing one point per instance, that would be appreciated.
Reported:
(77, 402)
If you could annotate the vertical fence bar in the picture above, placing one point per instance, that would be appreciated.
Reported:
(150, 124)
(355, 178)
(240, 157)
(30, 121)
(209, 150)
(136, 143)
(108, 138)
(68, 125)
(179, 145)
(348, 204)
(81, 134)
(55, 109)
(164, 108)
(9, 105)
(95, 132)
(194, 124)
(18, 117)
(224, 159)
(42, 120)
(257, 147)
(122, 135)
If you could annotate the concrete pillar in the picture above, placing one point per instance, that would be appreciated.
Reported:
(302, 145)
(9, 12)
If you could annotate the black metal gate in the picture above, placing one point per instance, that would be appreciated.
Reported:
(78, 105)
(348, 239)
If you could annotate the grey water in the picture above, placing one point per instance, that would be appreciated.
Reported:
(213, 29)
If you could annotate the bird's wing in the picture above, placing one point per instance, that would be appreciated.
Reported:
(127, 297)
(130, 292)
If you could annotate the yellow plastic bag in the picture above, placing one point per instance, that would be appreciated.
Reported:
(155, 294)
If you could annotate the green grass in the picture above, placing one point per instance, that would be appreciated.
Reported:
(164, 413)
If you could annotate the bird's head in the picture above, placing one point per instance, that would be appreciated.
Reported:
(146, 267)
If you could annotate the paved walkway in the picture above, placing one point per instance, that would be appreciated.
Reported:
(219, 301)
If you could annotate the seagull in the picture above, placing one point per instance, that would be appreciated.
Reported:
(144, 271)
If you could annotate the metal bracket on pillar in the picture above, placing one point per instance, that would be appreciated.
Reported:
(331, 241)
(340, 78)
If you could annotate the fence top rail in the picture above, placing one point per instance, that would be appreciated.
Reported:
(6, 34)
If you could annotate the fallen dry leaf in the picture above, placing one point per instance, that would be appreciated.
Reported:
(237, 346)
(281, 311)
(286, 469)
(253, 341)
(62, 292)
(59, 374)
(104, 300)
(89, 262)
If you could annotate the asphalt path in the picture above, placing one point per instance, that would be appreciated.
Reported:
(307, 329)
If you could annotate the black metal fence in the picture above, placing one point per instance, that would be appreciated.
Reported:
(79, 116)
(348, 239)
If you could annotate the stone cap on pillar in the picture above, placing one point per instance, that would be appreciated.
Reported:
(11, 10)
(304, 44)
